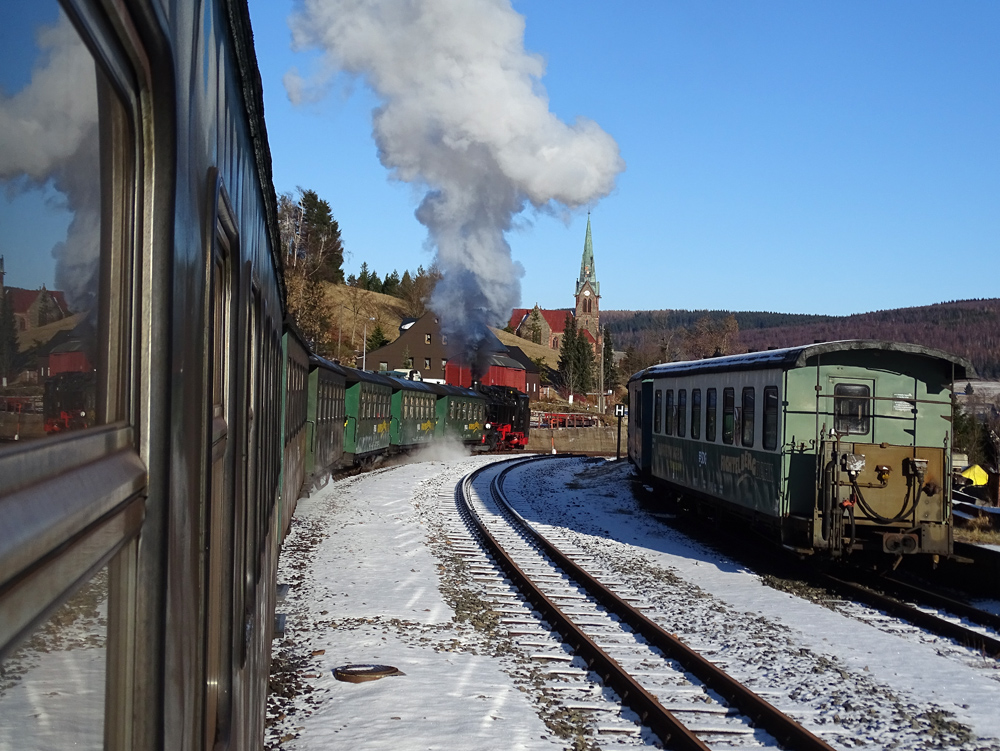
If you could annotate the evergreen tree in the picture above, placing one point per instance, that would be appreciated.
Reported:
(612, 379)
(390, 285)
(377, 338)
(576, 359)
(364, 275)
(321, 233)
(535, 325)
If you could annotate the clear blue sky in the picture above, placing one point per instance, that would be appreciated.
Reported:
(806, 157)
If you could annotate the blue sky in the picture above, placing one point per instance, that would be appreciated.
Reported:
(820, 157)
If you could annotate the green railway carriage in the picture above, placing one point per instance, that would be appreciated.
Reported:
(830, 447)
(461, 414)
(414, 413)
(326, 417)
(368, 410)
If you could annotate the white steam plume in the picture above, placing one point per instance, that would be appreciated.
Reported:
(463, 114)
(49, 132)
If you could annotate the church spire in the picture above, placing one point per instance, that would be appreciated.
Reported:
(587, 271)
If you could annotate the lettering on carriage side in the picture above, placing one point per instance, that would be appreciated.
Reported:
(745, 463)
(702, 458)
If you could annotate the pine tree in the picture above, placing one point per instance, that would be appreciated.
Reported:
(377, 338)
(611, 375)
(576, 359)
(535, 325)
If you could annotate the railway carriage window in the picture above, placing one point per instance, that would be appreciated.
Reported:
(682, 397)
(747, 417)
(728, 415)
(711, 403)
(851, 408)
(696, 414)
(669, 425)
(770, 417)
(657, 409)
(64, 186)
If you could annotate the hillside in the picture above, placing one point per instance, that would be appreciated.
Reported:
(969, 328)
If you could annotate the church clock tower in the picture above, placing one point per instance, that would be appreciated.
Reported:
(588, 292)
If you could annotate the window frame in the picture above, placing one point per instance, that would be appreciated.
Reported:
(748, 416)
(729, 415)
(711, 414)
(772, 410)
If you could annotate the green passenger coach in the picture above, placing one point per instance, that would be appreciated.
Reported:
(831, 447)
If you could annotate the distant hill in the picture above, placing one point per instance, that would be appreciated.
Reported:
(969, 328)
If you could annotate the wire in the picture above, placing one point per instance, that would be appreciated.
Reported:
(872, 514)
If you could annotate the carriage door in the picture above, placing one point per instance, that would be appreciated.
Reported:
(221, 505)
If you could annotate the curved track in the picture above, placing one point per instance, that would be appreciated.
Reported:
(683, 698)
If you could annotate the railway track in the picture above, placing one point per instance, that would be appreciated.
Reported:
(918, 606)
(685, 700)
(914, 605)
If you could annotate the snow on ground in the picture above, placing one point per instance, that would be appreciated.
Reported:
(374, 579)
(369, 591)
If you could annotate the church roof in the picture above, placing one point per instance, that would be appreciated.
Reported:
(587, 271)
(22, 299)
(556, 319)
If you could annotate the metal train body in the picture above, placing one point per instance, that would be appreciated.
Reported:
(828, 448)
(139, 548)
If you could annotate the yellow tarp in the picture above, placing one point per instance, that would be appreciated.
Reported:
(977, 474)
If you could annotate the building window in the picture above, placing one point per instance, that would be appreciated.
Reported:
(771, 418)
(657, 408)
(851, 408)
(696, 413)
(747, 416)
(383, 366)
(427, 363)
(670, 412)
(427, 338)
(728, 415)
(444, 364)
(444, 339)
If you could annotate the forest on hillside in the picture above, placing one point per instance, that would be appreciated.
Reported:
(968, 328)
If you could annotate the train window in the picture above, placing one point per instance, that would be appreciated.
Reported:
(53, 690)
(851, 408)
(747, 416)
(657, 409)
(770, 417)
(451, 410)
(669, 425)
(696, 413)
(711, 399)
(682, 398)
(64, 193)
(728, 415)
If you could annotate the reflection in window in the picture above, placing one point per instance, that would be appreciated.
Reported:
(681, 412)
(670, 412)
(852, 408)
(747, 416)
(696, 414)
(52, 687)
(728, 415)
(770, 417)
(710, 408)
(59, 117)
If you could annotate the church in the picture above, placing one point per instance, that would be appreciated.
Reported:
(547, 327)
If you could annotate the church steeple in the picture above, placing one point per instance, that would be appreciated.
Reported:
(587, 271)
